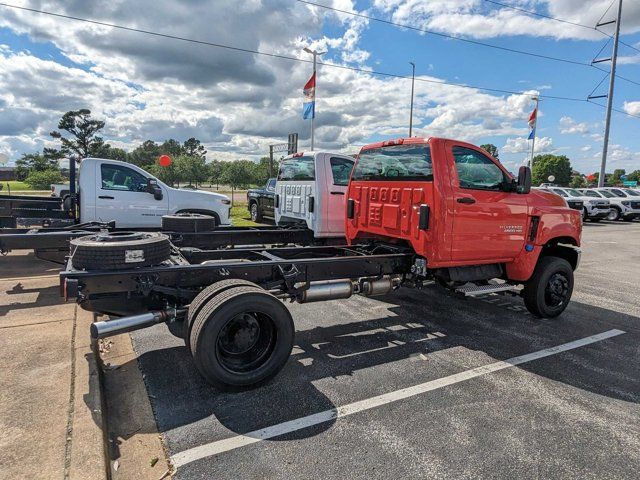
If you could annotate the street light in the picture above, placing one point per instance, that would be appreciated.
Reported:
(315, 54)
(413, 80)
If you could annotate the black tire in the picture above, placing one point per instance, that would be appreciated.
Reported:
(119, 250)
(585, 215)
(548, 292)
(614, 214)
(188, 222)
(256, 214)
(242, 337)
(206, 295)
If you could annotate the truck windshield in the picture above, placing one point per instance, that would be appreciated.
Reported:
(606, 193)
(395, 162)
(573, 193)
(297, 168)
(633, 193)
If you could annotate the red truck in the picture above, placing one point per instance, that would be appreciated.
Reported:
(417, 210)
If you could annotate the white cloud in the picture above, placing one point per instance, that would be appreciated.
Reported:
(522, 145)
(586, 148)
(632, 108)
(569, 125)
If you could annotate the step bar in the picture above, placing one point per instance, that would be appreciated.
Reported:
(472, 290)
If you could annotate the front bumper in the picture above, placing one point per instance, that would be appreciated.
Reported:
(598, 213)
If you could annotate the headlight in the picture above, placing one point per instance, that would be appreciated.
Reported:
(626, 204)
(225, 201)
(590, 202)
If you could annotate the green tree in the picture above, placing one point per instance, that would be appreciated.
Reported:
(47, 160)
(216, 168)
(491, 149)
(109, 152)
(82, 129)
(635, 175)
(578, 181)
(193, 148)
(146, 154)
(42, 179)
(192, 169)
(617, 173)
(238, 174)
(172, 147)
(261, 171)
(557, 165)
(168, 175)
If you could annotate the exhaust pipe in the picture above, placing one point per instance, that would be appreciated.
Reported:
(335, 289)
(129, 324)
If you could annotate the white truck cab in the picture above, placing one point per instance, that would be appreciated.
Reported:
(311, 189)
(123, 192)
(622, 207)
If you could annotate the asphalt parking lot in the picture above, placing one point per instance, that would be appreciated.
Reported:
(423, 384)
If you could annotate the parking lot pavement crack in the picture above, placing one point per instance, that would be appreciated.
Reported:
(72, 391)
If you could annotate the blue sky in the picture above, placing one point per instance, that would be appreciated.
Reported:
(239, 103)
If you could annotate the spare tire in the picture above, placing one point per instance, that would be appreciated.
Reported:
(188, 222)
(118, 250)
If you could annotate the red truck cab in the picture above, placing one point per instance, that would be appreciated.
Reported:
(466, 218)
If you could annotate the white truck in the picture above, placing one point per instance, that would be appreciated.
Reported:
(622, 207)
(311, 190)
(111, 190)
(594, 209)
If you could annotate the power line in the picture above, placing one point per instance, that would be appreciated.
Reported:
(275, 55)
(302, 60)
(444, 35)
(466, 40)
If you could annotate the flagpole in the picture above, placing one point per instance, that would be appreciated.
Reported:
(535, 128)
(315, 54)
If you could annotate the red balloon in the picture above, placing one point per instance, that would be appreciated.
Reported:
(164, 160)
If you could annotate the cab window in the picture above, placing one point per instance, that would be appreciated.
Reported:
(559, 192)
(477, 171)
(631, 192)
(297, 169)
(119, 177)
(617, 193)
(272, 184)
(606, 194)
(341, 170)
(395, 163)
(591, 193)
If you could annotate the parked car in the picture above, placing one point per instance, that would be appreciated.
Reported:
(260, 201)
(622, 207)
(60, 190)
(310, 190)
(594, 209)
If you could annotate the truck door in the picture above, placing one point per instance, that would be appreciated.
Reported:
(121, 195)
(489, 223)
(267, 199)
(295, 188)
(337, 173)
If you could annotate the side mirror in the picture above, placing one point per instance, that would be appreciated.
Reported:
(154, 188)
(524, 180)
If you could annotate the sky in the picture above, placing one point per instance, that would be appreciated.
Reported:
(238, 103)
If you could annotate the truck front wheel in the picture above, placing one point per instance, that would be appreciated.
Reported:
(242, 337)
(256, 215)
(548, 291)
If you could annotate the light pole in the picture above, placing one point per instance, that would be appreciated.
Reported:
(315, 54)
(413, 81)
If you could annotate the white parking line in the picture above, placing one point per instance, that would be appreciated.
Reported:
(238, 441)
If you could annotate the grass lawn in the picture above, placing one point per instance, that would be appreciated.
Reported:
(15, 186)
(240, 216)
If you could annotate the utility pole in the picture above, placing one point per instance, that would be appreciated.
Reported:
(413, 81)
(612, 79)
(535, 128)
(315, 54)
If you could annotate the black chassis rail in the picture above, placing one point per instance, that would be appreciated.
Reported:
(280, 269)
(57, 239)
(33, 207)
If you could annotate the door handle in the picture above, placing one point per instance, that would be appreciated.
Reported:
(467, 200)
(337, 193)
(105, 197)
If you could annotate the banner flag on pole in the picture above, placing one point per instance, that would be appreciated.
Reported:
(532, 123)
(309, 104)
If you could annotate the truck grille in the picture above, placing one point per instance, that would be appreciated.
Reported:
(635, 205)
(575, 204)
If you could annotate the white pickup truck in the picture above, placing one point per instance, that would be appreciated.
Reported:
(311, 189)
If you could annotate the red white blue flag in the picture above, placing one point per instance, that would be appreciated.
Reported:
(309, 103)
(532, 123)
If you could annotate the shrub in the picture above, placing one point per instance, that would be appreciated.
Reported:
(42, 180)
